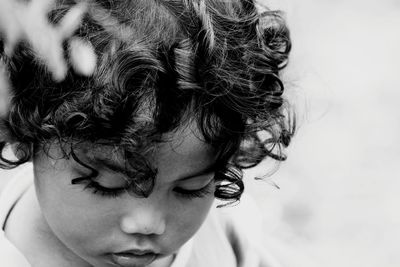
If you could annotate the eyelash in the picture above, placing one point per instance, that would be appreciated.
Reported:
(190, 194)
(96, 188)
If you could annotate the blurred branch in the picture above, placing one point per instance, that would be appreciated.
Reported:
(20, 21)
(28, 22)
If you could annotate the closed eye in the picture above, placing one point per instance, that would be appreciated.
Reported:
(195, 193)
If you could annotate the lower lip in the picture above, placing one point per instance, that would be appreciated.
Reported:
(131, 260)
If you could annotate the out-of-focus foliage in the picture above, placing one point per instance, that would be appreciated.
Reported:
(28, 22)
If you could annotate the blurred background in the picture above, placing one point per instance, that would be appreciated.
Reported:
(337, 202)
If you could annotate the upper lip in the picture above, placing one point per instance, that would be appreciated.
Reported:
(138, 252)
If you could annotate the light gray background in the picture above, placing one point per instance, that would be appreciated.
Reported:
(340, 188)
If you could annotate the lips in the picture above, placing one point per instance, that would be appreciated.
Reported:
(134, 258)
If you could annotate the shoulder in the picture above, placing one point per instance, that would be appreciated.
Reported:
(244, 226)
(9, 254)
(13, 191)
(232, 237)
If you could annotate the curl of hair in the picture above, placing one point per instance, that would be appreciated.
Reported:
(160, 65)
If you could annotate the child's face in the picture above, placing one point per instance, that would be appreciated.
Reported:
(100, 228)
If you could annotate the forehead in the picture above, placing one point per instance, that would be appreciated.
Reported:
(184, 152)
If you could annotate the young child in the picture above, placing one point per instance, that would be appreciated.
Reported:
(128, 161)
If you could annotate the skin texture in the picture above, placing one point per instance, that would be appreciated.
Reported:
(85, 227)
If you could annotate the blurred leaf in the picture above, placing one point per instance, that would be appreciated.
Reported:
(82, 56)
(28, 22)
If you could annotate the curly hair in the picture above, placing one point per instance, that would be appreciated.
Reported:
(161, 64)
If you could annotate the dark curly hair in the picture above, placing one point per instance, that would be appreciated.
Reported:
(160, 64)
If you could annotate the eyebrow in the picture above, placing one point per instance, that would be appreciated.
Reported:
(114, 166)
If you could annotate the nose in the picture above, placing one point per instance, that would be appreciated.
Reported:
(144, 217)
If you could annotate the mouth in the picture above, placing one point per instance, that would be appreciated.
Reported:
(133, 258)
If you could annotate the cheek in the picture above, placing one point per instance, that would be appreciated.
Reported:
(188, 218)
(77, 219)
